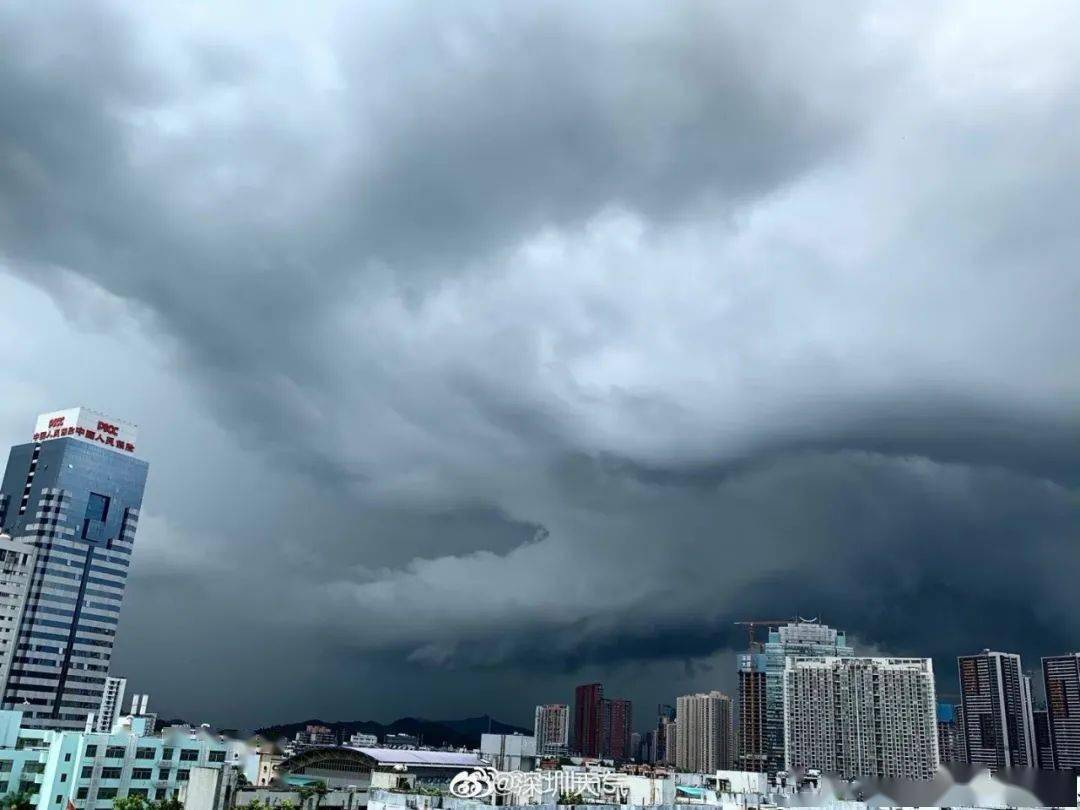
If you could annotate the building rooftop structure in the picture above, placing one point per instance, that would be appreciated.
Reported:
(437, 759)
(345, 766)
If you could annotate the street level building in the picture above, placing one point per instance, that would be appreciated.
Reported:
(89, 770)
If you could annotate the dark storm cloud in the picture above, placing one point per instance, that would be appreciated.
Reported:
(497, 345)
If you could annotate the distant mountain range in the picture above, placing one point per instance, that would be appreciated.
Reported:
(436, 733)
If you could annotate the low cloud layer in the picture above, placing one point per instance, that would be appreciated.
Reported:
(482, 349)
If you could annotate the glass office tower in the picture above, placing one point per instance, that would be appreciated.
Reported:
(69, 507)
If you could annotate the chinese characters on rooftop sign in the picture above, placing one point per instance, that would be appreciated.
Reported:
(82, 423)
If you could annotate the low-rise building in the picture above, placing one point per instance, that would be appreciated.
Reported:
(509, 752)
(400, 739)
(315, 735)
(342, 766)
(88, 770)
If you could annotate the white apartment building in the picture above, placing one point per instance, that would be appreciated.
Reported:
(17, 559)
(88, 770)
(861, 716)
(112, 700)
(703, 732)
(552, 730)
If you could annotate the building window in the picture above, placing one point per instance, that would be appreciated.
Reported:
(91, 750)
(182, 775)
(59, 799)
(81, 793)
(144, 753)
(67, 757)
(87, 771)
(63, 777)
(141, 773)
(110, 773)
(143, 792)
(163, 774)
(97, 507)
(107, 793)
(986, 731)
(217, 756)
(166, 753)
(189, 755)
(114, 752)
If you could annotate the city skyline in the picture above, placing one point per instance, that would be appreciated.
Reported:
(70, 503)
(43, 495)
(485, 350)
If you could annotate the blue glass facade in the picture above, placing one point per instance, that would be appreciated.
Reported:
(77, 503)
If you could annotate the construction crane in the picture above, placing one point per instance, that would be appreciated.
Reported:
(751, 624)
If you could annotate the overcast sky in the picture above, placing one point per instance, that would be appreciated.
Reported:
(482, 349)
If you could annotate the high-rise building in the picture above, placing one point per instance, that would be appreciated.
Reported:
(648, 746)
(588, 723)
(112, 699)
(1061, 680)
(948, 733)
(861, 716)
(961, 736)
(1044, 749)
(17, 558)
(799, 638)
(665, 715)
(752, 752)
(616, 723)
(636, 742)
(998, 725)
(552, 730)
(703, 732)
(73, 494)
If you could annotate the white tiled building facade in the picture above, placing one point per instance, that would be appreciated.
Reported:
(112, 700)
(91, 769)
(861, 716)
(552, 729)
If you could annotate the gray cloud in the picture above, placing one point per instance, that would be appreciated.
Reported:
(482, 349)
